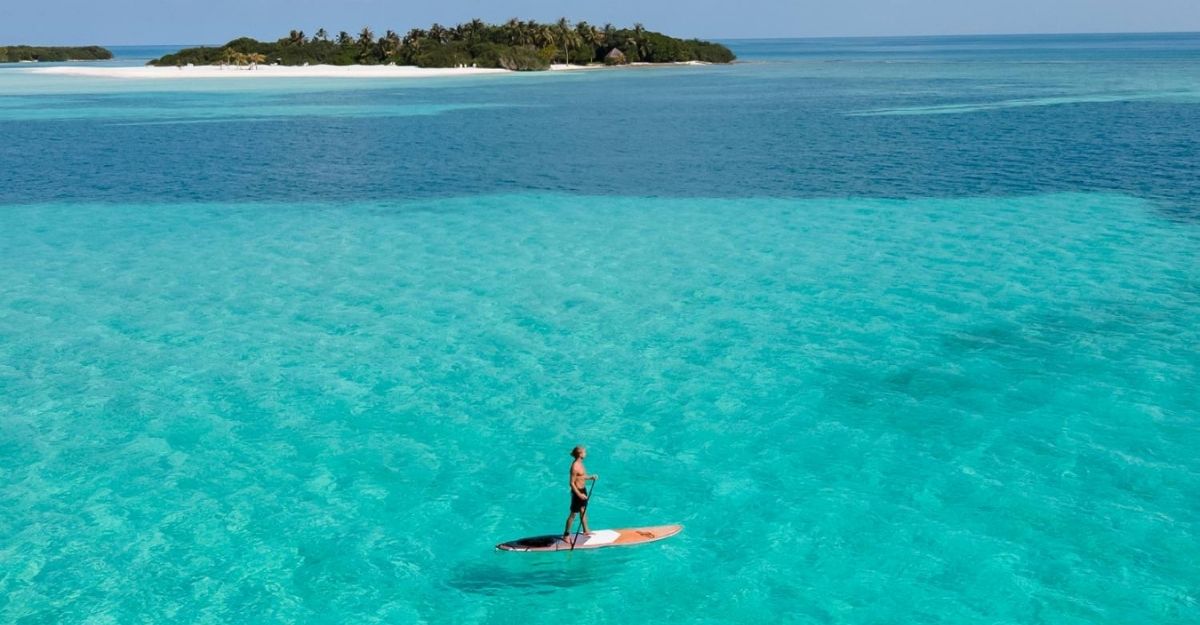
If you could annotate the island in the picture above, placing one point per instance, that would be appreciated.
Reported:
(515, 45)
(17, 54)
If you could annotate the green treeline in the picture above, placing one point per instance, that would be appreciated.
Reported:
(515, 45)
(13, 54)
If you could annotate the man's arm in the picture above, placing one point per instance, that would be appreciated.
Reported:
(583, 494)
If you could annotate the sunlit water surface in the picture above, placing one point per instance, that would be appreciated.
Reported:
(901, 330)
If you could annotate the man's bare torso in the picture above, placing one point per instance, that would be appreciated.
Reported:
(579, 476)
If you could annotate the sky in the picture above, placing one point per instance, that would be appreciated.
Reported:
(132, 22)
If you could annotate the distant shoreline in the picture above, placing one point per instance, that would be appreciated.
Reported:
(201, 72)
(513, 45)
(53, 54)
(264, 71)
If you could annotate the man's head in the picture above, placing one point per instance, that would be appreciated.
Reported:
(579, 452)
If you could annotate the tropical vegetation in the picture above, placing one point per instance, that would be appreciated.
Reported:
(14, 54)
(515, 45)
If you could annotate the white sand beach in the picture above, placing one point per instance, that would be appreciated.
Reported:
(558, 67)
(304, 71)
(266, 71)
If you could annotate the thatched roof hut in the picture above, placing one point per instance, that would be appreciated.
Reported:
(615, 57)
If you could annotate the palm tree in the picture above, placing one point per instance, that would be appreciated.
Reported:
(639, 39)
(544, 34)
(589, 34)
(391, 44)
(564, 32)
(344, 39)
(413, 38)
(366, 38)
(475, 30)
(438, 33)
(512, 31)
(296, 37)
(322, 35)
(631, 47)
(581, 38)
(534, 34)
(366, 46)
(254, 58)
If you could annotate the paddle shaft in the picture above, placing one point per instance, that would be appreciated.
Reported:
(583, 511)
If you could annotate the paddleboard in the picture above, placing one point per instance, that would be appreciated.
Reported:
(602, 538)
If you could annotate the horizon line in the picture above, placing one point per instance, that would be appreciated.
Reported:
(953, 35)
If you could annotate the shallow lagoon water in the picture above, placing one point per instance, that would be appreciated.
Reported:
(245, 383)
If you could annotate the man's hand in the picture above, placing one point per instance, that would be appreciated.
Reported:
(593, 477)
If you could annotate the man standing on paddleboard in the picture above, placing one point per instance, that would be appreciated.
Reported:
(579, 494)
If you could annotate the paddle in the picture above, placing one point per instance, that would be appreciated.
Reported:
(583, 511)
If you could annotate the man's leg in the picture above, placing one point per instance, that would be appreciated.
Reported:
(583, 520)
(570, 522)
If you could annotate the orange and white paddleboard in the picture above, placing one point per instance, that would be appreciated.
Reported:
(602, 538)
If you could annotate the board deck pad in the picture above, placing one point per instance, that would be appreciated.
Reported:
(599, 538)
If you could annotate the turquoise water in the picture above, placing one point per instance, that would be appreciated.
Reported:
(309, 360)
